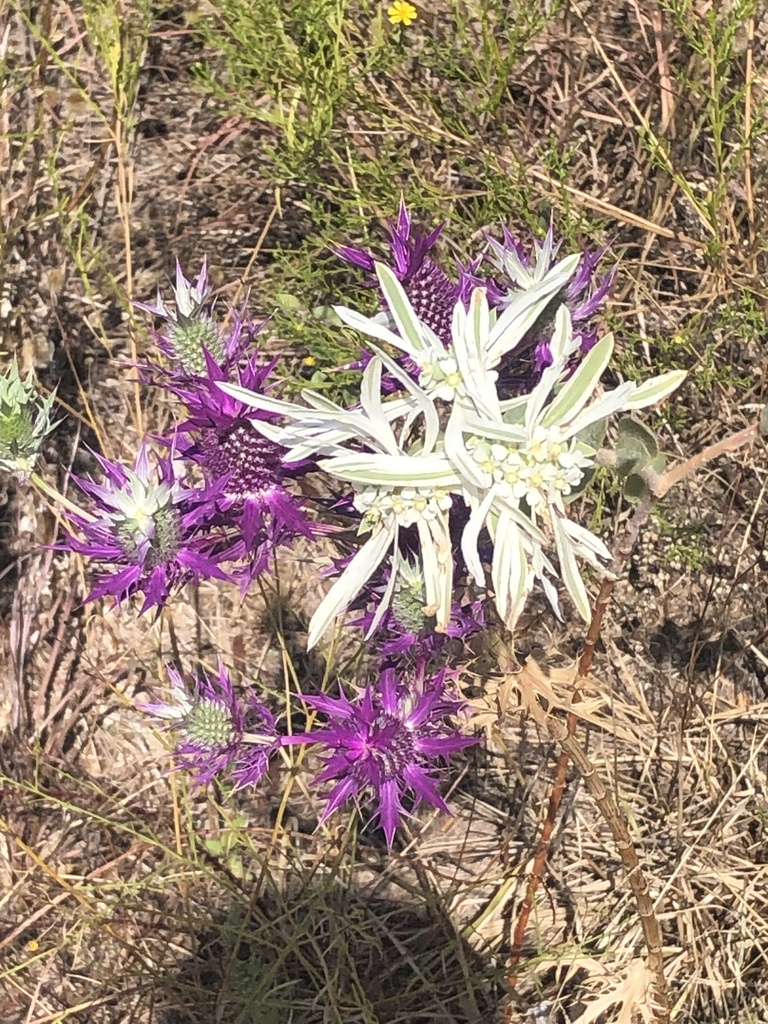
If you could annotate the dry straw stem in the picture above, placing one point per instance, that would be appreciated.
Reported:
(622, 552)
(626, 849)
(572, 750)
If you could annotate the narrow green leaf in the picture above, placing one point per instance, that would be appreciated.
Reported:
(655, 389)
(576, 392)
(408, 324)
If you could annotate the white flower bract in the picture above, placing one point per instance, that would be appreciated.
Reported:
(447, 438)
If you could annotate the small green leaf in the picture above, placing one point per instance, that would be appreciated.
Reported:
(288, 303)
(635, 487)
(635, 432)
(635, 448)
(327, 315)
(236, 866)
(594, 433)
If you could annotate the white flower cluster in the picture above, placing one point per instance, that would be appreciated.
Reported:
(449, 439)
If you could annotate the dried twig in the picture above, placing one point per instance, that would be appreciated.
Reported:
(565, 735)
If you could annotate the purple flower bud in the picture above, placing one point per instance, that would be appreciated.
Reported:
(431, 292)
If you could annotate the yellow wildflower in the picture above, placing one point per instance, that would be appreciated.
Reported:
(402, 13)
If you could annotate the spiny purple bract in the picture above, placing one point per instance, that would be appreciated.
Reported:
(583, 296)
(218, 731)
(145, 525)
(431, 292)
(244, 470)
(386, 742)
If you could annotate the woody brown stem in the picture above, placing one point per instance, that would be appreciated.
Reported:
(638, 883)
(622, 551)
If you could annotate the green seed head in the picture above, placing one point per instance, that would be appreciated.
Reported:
(209, 725)
(25, 419)
(190, 337)
(408, 599)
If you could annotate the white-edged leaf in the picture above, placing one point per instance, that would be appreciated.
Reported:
(513, 409)
(529, 528)
(402, 312)
(316, 400)
(509, 570)
(541, 567)
(569, 570)
(367, 325)
(456, 452)
(259, 401)
(470, 536)
(393, 470)
(437, 566)
(370, 400)
(391, 584)
(656, 388)
(590, 546)
(508, 432)
(526, 308)
(419, 395)
(576, 392)
(558, 346)
(352, 580)
(470, 335)
(561, 342)
(608, 404)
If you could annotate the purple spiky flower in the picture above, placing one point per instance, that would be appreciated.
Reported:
(584, 295)
(218, 731)
(146, 528)
(244, 470)
(431, 292)
(385, 744)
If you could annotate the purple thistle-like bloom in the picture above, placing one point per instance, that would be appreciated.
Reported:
(583, 296)
(218, 731)
(244, 470)
(385, 743)
(147, 528)
(431, 292)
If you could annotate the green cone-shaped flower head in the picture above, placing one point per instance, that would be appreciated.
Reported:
(25, 419)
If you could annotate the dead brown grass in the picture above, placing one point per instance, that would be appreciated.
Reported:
(114, 908)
